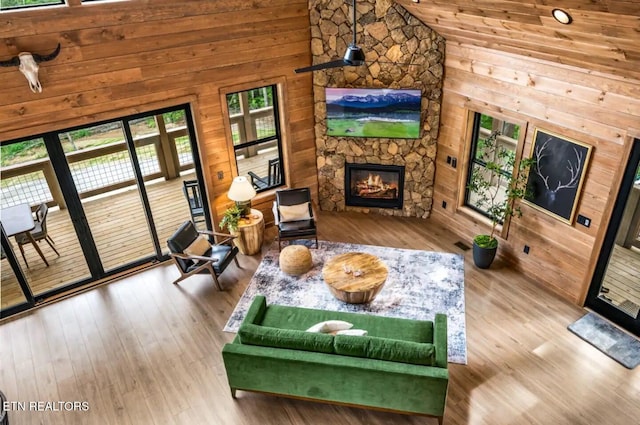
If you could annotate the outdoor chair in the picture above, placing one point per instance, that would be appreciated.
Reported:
(192, 252)
(294, 216)
(272, 179)
(191, 191)
(38, 233)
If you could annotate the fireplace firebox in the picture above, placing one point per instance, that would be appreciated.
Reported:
(374, 185)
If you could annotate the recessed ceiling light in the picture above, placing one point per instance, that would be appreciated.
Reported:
(561, 16)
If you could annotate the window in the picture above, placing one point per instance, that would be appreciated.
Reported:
(19, 4)
(492, 140)
(98, 1)
(255, 130)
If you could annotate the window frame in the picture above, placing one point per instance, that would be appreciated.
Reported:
(60, 3)
(279, 121)
(57, 3)
(473, 124)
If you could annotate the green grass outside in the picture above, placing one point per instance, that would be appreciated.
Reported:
(355, 128)
(22, 152)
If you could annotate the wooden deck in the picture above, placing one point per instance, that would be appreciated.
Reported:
(622, 279)
(119, 228)
(259, 164)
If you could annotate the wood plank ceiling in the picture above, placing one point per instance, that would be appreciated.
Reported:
(603, 36)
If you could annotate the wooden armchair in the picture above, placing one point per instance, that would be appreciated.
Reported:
(274, 178)
(192, 253)
(191, 190)
(39, 232)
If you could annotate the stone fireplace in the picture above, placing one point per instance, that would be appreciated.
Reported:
(373, 185)
(401, 53)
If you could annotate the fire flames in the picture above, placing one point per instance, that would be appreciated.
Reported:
(374, 186)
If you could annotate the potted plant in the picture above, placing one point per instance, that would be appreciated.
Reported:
(495, 188)
(231, 218)
(248, 239)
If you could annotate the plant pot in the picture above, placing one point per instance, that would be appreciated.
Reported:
(483, 257)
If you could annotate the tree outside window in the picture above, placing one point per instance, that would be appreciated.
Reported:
(505, 135)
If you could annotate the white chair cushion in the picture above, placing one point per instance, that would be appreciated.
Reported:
(294, 212)
(198, 247)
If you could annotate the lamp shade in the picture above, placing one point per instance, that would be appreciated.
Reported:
(241, 190)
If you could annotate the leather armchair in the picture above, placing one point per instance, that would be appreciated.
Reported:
(214, 260)
(288, 229)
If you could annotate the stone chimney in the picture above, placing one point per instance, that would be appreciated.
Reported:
(401, 52)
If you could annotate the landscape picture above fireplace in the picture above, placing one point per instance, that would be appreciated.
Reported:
(387, 113)
(374, 185)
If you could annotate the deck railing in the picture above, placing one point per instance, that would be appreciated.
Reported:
(251, 127)
(99, 170)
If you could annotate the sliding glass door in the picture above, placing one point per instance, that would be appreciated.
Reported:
(29, 182)
(14, 291)
(115, 192)
(104, 176)
(163, 147)
(615, 288)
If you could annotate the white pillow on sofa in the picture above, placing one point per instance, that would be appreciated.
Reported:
(352, 332)
(330, 326)
(294, 212)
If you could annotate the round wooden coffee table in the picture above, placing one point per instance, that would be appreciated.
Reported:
(355, 277)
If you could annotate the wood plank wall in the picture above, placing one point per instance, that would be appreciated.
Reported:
(602, 36)
(599, 109)
(120, 58)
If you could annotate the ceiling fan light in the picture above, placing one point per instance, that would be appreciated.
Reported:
(354, 55)
(561, 16)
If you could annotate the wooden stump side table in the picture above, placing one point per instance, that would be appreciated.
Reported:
(250, 233)
(355, 277)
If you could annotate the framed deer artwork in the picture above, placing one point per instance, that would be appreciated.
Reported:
(556, 178)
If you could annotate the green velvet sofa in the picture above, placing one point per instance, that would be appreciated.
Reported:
(400, 366)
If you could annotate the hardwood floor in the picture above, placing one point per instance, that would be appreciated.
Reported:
(143, 351)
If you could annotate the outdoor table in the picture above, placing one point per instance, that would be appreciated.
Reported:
(19, 219)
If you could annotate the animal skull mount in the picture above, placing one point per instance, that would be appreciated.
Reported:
(27, 63)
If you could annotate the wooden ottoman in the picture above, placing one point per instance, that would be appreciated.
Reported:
(295, 260)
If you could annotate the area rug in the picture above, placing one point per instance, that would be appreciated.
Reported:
(607, 338)
(420, 284)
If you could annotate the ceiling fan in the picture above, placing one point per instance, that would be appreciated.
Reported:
(354, 56)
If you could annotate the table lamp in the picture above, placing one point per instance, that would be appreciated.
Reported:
(241, 191)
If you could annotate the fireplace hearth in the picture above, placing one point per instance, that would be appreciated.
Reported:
(374, 185)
